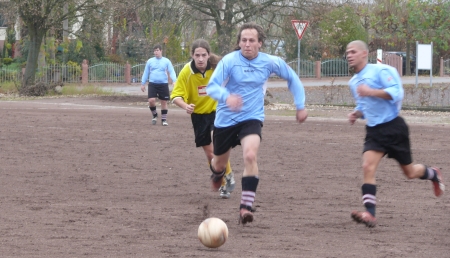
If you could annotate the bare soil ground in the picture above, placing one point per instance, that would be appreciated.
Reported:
(91, 177)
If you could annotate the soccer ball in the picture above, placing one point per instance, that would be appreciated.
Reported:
(213, 232)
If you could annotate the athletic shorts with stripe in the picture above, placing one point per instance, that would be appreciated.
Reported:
(229, 137)
(392, 138)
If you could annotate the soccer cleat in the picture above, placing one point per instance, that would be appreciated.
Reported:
(438, 186)
(364, 217)
(223, 193)
(245, 216)
(231, 183)
(164, 123)
(154, 120)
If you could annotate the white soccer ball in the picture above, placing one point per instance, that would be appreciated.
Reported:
(213, 232)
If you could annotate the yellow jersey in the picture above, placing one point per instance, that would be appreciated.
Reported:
(191, 86)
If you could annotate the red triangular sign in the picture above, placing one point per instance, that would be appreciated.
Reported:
(299, 27)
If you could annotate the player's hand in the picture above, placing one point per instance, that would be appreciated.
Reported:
(234, 102)
(353, 116)
(190, 108)
(143, 88)
(301, 115)
(364, 90)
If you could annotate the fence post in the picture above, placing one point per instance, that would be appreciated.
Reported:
(318, 69)
(128, 73)
(84, 72)
(441, 67)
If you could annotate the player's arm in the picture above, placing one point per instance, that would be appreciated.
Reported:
(145, 76)
(179, 94)
(214, 88)
(282, 69)
(365, 91)
(172, 73)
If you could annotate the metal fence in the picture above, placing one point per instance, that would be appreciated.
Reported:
(307, 68)
(59, 73)
(334, 67)
(106, 73)
(10, 75)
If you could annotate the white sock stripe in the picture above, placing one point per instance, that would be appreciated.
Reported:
(369, 196)
(370, 201)
(249, 199)
(431, 173)
(248, 193)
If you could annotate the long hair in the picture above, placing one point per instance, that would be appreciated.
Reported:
(251, 25)
(200, 43)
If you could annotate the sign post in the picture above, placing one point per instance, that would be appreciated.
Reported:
(299, 27)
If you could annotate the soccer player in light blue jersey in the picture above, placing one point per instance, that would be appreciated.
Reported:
(155, 73)
(378, 91)
(238, 84)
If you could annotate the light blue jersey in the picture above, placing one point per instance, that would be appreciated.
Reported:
(157, 69)
(237, 75)
(377, 110)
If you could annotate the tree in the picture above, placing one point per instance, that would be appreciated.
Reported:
(39, 16)
(226, 15)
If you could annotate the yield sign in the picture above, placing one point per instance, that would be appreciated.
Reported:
(299, 27)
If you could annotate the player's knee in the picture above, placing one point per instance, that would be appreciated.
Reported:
(250, 157)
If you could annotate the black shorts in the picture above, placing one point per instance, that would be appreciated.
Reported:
(228, 137)
(203, 126)
(158, 90)
(392, 138)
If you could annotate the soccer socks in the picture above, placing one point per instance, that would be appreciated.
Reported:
(369, 200)
(153, 110)
(249, 185)
(164, 114)
(429, 174)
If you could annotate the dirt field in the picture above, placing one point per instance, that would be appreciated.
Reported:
(91, 177)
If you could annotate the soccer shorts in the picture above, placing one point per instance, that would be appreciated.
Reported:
(392, 138)
(229, 137)
(158, 90)
(203, 126)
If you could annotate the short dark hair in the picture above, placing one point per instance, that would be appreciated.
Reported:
(200, 43)
(251, 25)
(158, 46)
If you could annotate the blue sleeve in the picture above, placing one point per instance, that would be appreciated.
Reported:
(391, 84)
(214, 88)
(172, 73)
(146, 73)
(294, 84)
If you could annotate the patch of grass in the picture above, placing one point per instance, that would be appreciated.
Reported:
(8, 88)
(85, 90)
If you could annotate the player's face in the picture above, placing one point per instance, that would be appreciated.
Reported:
(200, 57)
(157, 52)
(356, 56)
(249, 43)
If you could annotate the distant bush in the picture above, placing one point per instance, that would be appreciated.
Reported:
(7, 60)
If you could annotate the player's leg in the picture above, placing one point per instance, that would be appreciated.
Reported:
(164, 96)
(250, 138)
(371, 159)
(401, 151)
(152, 94)
(424, 172)
(228, 182)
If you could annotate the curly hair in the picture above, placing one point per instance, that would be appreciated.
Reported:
(251, 25)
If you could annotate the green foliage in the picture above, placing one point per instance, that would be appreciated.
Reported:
(341, 26)
(7, 60)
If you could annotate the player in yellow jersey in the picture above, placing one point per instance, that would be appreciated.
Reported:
(189, 93)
